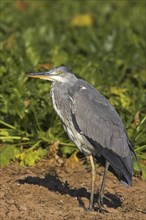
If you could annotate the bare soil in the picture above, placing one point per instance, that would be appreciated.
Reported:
(59, 190)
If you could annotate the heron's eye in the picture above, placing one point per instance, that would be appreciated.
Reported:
(59, 73)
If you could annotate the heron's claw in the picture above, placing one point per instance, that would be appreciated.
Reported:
(101, 204)
(108, 199)
(102, 210)
(91, 207)
(100, 200)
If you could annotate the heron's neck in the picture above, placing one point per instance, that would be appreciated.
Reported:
(66, 82)
(63, 87)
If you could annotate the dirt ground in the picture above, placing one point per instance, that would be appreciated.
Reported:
(60, 191)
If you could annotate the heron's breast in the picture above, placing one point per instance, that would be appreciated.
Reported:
(61, 103)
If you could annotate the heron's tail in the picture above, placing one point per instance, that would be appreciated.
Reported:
(121, 167)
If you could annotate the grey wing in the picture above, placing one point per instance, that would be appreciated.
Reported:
(96, 119)
(99, 121)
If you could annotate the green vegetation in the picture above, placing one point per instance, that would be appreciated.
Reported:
(102, 41)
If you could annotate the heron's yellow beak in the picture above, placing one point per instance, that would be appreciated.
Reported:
(40, 75)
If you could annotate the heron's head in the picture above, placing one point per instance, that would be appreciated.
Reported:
(60, 74)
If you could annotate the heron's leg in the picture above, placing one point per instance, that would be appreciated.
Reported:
(93, 176)
(101, 192)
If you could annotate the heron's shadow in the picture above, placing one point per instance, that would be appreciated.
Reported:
(53, 183)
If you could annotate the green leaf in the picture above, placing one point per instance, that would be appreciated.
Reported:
(29, 157)
(143, 167)
(122, 96)
(7, 154)
(67, 150)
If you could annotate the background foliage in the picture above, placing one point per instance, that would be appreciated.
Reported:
(102, 42)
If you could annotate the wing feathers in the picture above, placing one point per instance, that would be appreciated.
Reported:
(100, 124)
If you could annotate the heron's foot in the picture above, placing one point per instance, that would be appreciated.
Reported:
(100, 199)
(108, 199)
(101, 208)
(101, 204)
(91, 207)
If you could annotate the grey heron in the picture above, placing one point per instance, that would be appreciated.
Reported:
(92, 124)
